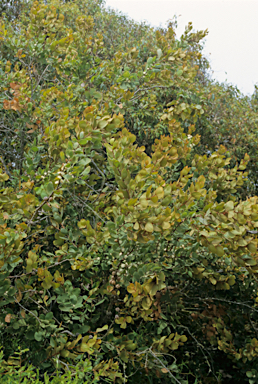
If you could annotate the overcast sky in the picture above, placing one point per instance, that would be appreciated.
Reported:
(232, 42)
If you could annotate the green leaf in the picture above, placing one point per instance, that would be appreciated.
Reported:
(219, 251)
(124, 356)
(102, 124)
(49, 188)
(179, 72)
(83, 124)
(38, 336)
(229, 206)
(85, 141)
(62, 156)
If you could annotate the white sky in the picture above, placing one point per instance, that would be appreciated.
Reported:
(232, 42)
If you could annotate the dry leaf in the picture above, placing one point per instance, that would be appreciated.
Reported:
(8, 318)
(15, 86)
(19, 296)
(23, 313)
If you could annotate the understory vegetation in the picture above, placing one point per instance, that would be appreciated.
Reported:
(128, 203)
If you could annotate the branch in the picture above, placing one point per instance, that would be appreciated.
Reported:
(232, 302)
(149, 350)
(211, 368)
(45, 200)
(84, 203)
(143, 90)
(170, 373)
(25, 309)
(5, 168)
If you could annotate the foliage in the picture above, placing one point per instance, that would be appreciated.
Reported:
(10, 374)
(128, 253)
(230, 119)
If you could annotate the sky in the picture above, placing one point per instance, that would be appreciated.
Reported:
(232, 43)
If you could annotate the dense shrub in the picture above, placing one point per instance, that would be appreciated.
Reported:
(128, 245)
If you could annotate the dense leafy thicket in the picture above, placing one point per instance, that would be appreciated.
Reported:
(128, 207)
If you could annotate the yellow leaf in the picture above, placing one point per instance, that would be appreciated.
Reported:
(131, 288)
(183, 338)
(213, 281)
(166, 225)
(146, 303)
(19, 296)
(149, 227)
(174, 345)
(84, 347)
(229, 206)
(136, 226)
(102, 329)
(23, 313)
(159, 192)
(4, 177)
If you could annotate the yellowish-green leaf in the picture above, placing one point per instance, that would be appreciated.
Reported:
(149, 227)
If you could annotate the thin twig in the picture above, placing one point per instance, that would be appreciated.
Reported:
(41, 205)
(84, 203)
(231, 302)
(163, 365)
(211, 369)
(25, 309)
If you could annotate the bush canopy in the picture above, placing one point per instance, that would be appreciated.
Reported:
(128, 207)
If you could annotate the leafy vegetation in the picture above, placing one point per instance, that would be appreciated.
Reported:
(129, 215)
